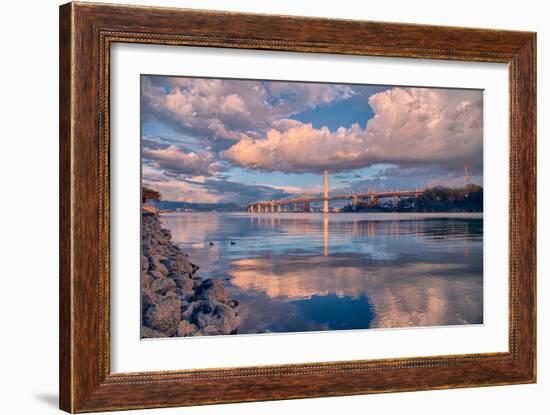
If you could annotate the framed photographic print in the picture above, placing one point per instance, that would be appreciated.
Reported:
(261, 207)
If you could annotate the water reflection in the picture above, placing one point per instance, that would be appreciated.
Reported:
(301, 272)
(325, 234)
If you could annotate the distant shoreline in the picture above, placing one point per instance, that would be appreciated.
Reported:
(431, 200)
(411, 215)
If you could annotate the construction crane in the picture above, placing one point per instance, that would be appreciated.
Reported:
(467, 175)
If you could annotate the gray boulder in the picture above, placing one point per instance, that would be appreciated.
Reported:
(147, 333)
(175, 301)
(156, 265)
(186, 328)
(163, 285)
(163, 315)
(218, 315)
(211, 290)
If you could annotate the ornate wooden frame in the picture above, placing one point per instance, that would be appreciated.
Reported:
(86, 33)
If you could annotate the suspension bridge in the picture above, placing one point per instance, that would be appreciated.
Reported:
(302, 203)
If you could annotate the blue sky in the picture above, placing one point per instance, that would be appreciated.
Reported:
(219, 140)
(344, 113)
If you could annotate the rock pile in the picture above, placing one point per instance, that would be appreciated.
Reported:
(175, 301)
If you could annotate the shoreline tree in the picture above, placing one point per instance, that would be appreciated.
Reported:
(149, 195)
(435, 199)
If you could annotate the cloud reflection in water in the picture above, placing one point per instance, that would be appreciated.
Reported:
(303, 272)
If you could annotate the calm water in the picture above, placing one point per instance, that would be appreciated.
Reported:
(311, 271)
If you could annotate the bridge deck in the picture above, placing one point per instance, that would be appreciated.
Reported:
(320, 198)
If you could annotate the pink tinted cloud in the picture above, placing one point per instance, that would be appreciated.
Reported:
(175, 160)
(410, 126)
(174, 189)
(226, 109)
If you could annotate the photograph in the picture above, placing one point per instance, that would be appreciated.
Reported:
(275, 206)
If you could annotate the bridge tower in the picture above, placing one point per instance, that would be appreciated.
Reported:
(325, 201)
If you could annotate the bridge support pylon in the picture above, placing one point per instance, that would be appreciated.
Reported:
(325, 201)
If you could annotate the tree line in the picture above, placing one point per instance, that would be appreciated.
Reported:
(435, 199)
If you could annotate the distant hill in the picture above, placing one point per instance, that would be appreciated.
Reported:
(198, 207)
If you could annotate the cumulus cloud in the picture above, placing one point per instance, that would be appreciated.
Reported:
(183, 191)
(173, 160)
(411, 126)
(202, 189)
(178, 190)
(291, 97)
(225, 109)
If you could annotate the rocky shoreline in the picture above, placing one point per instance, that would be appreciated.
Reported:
(175, 301)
